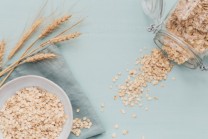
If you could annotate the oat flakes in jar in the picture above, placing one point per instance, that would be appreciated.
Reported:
(183, 34)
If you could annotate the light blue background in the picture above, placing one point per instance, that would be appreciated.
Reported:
(113, 33)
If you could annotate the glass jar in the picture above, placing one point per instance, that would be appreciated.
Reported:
(183, 34)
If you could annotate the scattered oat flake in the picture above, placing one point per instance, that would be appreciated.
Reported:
(116, 126)
(132, 72)
(156, 98)
(122, 111)
(78, 110)
(134, 116)
(102, 105)
(173, 78)
(114, 135)
(146, 109)
(149, 98)
(125, 132)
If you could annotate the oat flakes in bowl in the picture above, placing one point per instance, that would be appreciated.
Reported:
(34, 107)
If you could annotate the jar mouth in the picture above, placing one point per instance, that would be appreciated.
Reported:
(193, 60)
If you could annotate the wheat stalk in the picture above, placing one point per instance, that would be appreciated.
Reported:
(77, 23)
(27, 54)
(64, 38)
(38, 49)
(25, 37)
(7, 76)
(2, 51)
(50, 29)
(40, 57)
(35, 58)
(52, 41)
(53, 26)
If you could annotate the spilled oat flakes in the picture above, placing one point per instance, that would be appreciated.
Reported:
(79, 124)
(153, 69)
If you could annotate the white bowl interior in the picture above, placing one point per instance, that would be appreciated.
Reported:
(10, 88)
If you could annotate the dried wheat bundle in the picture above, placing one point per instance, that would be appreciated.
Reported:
(34, 52)
(25, 37)
(39, 57)
(53, 26)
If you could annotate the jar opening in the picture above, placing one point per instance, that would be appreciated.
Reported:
(176, 50)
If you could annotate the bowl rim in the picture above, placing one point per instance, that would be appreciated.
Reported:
(49, 82)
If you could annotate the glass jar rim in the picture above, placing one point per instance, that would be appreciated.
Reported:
(190, 64)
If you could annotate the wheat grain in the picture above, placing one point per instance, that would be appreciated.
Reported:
(53, 26)
(2, 51)
(25, 37)
(77, 23)
(40, 57)
(64, 38)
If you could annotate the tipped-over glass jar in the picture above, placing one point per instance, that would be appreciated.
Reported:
(183, 35)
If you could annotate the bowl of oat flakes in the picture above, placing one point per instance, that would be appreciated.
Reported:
(34, 107)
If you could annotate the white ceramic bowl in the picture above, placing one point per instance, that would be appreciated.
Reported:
(10, 88)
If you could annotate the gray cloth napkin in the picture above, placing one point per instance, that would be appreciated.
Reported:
(57, 71)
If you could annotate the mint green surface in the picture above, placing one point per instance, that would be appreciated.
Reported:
(113, 33)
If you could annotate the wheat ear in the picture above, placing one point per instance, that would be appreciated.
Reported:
(40, 57)
(53, 26)
(2, 51)
(64, 38)
(36, 50)
(25, 37)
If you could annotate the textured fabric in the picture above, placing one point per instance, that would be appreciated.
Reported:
(57, 71)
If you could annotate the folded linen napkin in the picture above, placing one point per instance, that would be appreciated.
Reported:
(57, 71)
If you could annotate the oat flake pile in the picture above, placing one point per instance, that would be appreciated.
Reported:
(33, 113)
(153, 69)
(79, 124)
(184, 33)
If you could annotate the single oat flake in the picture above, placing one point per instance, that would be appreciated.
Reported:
(125, 132)
(122, 111)
(78, 110)
(114, 135)
(116, 126)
